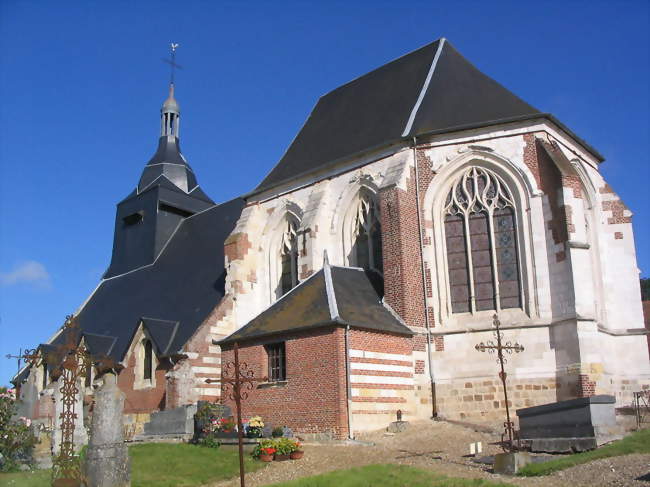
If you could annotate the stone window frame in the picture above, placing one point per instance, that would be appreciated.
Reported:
(522, 187)
(469, 203)
(364, 195)
(277, 243)
(139, 342)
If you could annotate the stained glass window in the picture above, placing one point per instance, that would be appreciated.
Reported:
(481, 240)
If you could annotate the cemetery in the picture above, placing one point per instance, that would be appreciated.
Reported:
(435, 284)
(403, 452)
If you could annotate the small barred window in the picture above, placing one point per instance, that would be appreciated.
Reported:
(277, 362)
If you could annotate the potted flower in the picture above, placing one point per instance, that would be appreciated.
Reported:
(264, 450)
(255, 427)
(226, 426)
(283, 447)
(297, 452)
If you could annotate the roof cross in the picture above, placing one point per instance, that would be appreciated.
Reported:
(172, 61)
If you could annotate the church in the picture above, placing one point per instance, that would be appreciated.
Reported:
(417, 202)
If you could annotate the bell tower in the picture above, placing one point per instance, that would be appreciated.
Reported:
(166, 195)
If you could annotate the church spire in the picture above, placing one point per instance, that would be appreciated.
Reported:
(170, 112)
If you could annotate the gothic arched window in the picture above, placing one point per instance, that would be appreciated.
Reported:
(366, 236)
(288, 258)
(147, 363)
(481, 241)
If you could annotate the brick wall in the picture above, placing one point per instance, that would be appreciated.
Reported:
(313, 398)
(146, 399)
(381, 378)
(401, 252)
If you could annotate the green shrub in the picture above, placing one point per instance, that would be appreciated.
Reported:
(210, 440)
(16, 438)
(277, 432)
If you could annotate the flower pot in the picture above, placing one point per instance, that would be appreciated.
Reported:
(266, 458)
(281, 458)
(296, 455)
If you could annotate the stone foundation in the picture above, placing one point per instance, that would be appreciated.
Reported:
(481, 400)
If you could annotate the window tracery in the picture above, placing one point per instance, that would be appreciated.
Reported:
(366, 235)
(481, 241)
(288, 258)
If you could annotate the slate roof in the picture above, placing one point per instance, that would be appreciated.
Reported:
(169, 164)
(433, 89)
(171, 297)
(333, 296)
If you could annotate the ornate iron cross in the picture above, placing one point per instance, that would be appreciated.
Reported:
(500, 347)
(72, 361)
(237, 377)
(172, 62)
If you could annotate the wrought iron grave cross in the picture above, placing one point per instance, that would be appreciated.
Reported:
(238, 379)
(500, 347)
(71, 360)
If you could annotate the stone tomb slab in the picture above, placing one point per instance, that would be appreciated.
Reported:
(177, 421)
(565, 426)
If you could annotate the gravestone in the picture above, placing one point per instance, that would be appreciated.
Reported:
(80, 437)
(218, 411)
(28, 398)
(107, 459)
(574, 425)
(171, 422)
(42, 453)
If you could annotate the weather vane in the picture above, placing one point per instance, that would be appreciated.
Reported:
(172, 61)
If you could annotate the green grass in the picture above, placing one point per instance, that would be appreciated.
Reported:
(638, 442)
(37, 478)
(162, 465)
(386, 476)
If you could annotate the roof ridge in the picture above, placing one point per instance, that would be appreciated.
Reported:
(425, 88)
(329, 289)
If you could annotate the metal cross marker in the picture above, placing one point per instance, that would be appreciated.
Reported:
(509, 348)
(18, 357)
(238, 377)
(71, 361)
(172, 62)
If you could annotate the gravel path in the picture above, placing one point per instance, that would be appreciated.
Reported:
(441, 447)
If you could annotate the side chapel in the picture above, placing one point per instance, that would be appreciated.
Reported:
(416, 202)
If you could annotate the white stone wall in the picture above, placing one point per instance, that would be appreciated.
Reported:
(574, 291)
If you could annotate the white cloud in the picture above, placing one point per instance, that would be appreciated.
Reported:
(30, 272)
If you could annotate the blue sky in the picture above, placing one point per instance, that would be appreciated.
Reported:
(82, 84)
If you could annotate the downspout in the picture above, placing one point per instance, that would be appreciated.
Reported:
(347, 381)
(434, 407)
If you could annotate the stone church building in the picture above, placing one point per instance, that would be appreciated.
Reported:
(416, 202)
